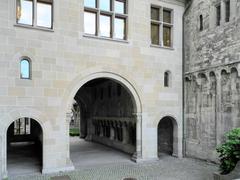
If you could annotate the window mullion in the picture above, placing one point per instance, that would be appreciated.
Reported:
(113, 19)
(34, 12)
(98, 20)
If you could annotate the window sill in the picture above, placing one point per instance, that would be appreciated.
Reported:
(105, 38)
(161, 47)
(32, 27)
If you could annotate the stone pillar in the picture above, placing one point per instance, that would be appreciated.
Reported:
(68, 120)
(111, 131)
(125, 133)
(3, 156)
(218, 107)
(137, 156)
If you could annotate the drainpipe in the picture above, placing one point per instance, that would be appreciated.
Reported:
(188, 5)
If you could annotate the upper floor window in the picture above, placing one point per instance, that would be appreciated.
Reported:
(218, 15)
(227, 10)
(106, 18)
(161, 26)
(36, 13)
(200, 22)
(25, 68)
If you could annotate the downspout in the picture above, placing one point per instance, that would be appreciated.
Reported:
(188, 5)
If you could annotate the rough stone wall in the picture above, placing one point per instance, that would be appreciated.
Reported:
(212, 96)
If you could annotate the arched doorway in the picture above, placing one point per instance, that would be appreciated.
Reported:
(167, 137)
(24, 147)
(104, 109)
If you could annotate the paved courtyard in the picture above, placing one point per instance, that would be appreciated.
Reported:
(97, 162)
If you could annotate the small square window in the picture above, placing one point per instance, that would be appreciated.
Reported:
(155, 14)
(105, 25)
(120, 25)
(155, 34)
(24, 12)
(167, 17)
(44, 14)
(105, 5)
(90, 22)
(120, 6)
(167, 36)
(90, 3)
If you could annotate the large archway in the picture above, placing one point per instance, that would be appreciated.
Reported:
(24, 147)
(103, 113)
(167, 137)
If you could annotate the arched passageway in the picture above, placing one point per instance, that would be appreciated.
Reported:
(24, 147)
(103, 114)
(167, 136)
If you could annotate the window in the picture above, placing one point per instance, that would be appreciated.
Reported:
(167, 79)
(36, 13)
(227, 10)
(106, 18)
(25, 68)
(161, 26)
(218, 15)
(200, 22)
(22, 126)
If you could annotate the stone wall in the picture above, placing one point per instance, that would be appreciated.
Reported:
(64, 59)
(212, 96)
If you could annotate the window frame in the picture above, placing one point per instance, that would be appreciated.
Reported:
(34, 16)
(113, 15)
(161, 25)
(24, 58)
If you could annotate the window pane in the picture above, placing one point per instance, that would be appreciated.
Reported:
(155, 14)
(167, 16)
(25, 12)
(105, 5)
(167, 36)
(44, 14)
(90, 3)
(120, 28)
(90, 23)
(25, 69)
(166, 79)
(105, 25)
(120, 6)
(155, 34)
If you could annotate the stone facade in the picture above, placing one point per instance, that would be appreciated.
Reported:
(64, 59)
(212, 103)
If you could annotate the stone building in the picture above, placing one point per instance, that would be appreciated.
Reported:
(120, 61)
(211, 58)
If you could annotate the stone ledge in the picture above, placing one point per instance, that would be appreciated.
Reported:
(234, 175)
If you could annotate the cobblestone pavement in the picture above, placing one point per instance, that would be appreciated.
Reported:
(167, 168)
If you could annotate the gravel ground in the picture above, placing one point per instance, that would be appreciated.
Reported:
(167, 168)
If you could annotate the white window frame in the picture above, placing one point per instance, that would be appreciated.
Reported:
(34, 23)
(113, 16)
(30, 67)
(161, 23)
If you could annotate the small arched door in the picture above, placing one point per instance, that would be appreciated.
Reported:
(24, 144)
(167, 136)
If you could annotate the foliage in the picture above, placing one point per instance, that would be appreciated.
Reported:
(74, 132)
(229, 152)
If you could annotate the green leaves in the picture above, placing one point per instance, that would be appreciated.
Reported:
(229, 152)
